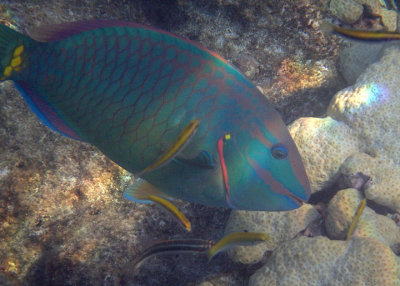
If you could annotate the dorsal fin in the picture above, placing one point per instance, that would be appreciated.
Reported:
(54, 32)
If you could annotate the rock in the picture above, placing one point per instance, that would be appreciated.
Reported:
(374, 6)
(345, 10)
(340, 214)
(320, 261)
(350, 11)
(280, 226)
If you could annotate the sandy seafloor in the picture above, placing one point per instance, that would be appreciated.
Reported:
(63, 220)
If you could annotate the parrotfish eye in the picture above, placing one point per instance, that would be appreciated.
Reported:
(279, 152)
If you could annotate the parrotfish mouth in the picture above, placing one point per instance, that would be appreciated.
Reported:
(298, 201)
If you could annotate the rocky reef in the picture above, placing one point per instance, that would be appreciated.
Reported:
(350, 154)
(63, 220)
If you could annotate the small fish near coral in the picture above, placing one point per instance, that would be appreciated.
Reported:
(367, 35)
(199, 246)
(184, 119)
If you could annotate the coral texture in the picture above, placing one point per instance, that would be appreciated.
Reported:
(340, 214)
(351, 11)
(280, 226)
(363, 118)
(320, 261)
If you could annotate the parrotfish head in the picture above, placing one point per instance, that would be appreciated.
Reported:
(264, 167)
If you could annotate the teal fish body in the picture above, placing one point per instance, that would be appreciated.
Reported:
(130, 90)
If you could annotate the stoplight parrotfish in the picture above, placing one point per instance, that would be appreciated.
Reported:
(158, 105)
(200, 246)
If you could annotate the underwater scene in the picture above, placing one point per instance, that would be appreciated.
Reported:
(199, 142)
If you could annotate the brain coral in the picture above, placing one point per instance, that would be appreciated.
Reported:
(280, 226)
(320, 261)
(340, 214)
(384, 175)
(363, 118)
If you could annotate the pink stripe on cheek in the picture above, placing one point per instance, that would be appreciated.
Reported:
(268, 179)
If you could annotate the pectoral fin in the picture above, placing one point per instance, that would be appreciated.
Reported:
(144, 192)
(176, 147)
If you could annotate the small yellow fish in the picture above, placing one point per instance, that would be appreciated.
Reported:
(367, 35)
(236, 238)
(180, 143)
(359, 211)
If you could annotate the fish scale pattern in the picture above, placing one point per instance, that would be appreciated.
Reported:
(130, 92)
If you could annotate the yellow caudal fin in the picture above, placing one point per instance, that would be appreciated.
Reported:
(12, 52)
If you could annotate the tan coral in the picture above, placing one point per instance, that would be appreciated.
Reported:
(340, 214)
(320, 261)
(323, 144)
(370, 106)
(362, 118)
(383, 186)
(389, 19)
(280, 226)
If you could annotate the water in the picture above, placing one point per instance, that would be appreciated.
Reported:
(63, 220)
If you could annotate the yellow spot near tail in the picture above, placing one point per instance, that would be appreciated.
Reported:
(18, 51)
(7, 71)
(15, 63)
(12, 267)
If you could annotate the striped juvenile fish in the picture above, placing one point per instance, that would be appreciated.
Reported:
(158, 105)
(367, 35)
(173, 246)
(199, 246)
